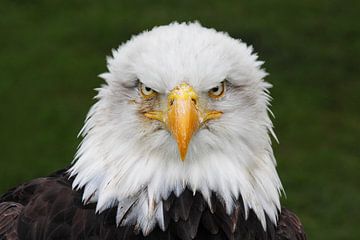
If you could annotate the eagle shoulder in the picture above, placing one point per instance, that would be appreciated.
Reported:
(48, 208)
(29, 210)
(12, 205)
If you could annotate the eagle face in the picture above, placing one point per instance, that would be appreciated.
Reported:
(183, 107)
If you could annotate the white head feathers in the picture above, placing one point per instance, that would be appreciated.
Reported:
(125, 160)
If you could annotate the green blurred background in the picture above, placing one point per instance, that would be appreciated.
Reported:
(52, 51)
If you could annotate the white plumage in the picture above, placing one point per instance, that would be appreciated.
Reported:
(129, 161)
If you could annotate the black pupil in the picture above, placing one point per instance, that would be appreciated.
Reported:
(147, 89)
(215, 89)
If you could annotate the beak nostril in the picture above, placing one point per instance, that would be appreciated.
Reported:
(194, 101)
(171, 102)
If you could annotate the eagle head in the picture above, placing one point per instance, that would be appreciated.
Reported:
(182, 107)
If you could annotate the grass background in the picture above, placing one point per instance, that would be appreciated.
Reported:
(52, 51)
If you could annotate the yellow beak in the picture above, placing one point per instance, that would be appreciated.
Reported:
(183, 116)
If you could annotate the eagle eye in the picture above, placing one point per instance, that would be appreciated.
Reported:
(217, 91)
(146, 91)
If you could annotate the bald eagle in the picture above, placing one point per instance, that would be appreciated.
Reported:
(177, 146)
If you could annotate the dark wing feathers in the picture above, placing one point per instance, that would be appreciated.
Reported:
(208, 222)
(183, 205)
(9, 213)
(223, 220)
(168, 202)
(194, 221)
(289, 227)
(48, 208)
